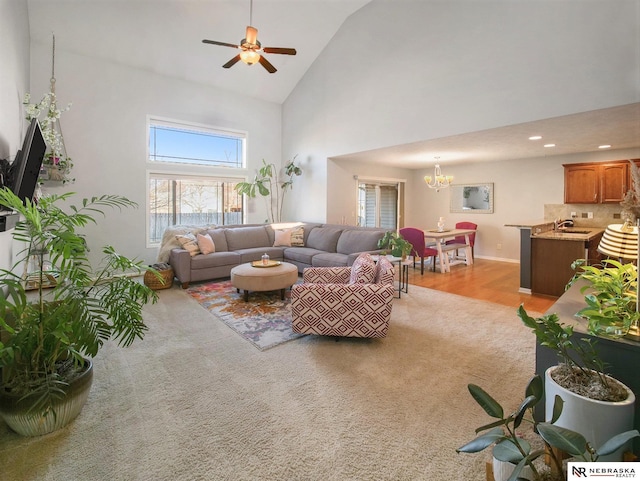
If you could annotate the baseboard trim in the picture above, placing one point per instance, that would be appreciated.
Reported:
(499, 259)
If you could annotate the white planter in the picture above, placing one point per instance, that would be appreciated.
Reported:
(502, 471)
(597, 421)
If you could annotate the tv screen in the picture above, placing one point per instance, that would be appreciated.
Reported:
(26, 167)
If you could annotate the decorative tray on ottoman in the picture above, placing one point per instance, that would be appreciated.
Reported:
(270, 263)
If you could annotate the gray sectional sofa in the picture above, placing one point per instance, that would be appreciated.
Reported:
(325, 245)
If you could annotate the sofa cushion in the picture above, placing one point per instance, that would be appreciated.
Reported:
(303, 255)
(324, 239)
(189, 243)
(329, 259)
(255, 253)
(205, 244)
(353, 240)
(282, 238)
(363, 270)
(297, 236)
(247, 238)
(214, 260)
(384, 271)
(219, 239)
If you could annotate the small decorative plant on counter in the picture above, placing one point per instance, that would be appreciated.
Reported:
(48, 335)
(507, 435)
(267, 183)
(612, 297)
(395, 244)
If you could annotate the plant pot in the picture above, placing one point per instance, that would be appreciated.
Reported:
(597, 421)
(502, 471)
(14, 410)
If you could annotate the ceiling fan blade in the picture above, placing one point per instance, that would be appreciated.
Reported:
(266, 64)
(224, 44)
(284, 51)
(232, 62)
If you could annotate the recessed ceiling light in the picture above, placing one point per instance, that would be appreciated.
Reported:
(535, 137)
(605, 146)
(549, 145)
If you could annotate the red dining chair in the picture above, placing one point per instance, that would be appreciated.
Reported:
(461, 239)
(416, 238)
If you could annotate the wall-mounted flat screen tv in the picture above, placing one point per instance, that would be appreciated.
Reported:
(25, 169)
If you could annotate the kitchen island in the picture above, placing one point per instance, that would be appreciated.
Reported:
(553, 252)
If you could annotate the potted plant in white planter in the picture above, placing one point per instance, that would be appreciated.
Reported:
(513, 455)
(594, 403)
(56, 320)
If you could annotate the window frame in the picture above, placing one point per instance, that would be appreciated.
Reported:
(400, 185)
(188, 170)
(197, 127)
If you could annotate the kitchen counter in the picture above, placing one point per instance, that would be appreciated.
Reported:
(570, 234)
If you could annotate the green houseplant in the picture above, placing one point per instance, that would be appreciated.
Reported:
(393, 242)
(594, 402)
(48, 335)
(268, 184)
(611, 298)
(505, 434)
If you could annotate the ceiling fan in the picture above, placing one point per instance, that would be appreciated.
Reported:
(251, 48)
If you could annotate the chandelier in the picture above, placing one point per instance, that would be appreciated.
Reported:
(438, 181)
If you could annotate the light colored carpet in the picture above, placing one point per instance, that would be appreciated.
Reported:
(194, 401)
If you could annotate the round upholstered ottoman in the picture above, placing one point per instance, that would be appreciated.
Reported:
(250, 278)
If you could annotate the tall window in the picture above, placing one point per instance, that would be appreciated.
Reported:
(378, 204)
(193, 171)
(185, 143)
(176, 200)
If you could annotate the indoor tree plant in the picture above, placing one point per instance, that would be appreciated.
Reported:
(595, 403)
(48, 335)
(393, 242)
(510, 444)
(268, 184)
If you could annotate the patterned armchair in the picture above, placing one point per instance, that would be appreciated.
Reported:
(332, 301)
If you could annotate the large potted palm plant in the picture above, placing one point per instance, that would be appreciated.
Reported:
(56, 317)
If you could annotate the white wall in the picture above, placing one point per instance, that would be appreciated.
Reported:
(405, 71)
(521, 190)
(14, 82)
(105, 132)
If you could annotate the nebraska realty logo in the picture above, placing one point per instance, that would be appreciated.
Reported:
(582, 471)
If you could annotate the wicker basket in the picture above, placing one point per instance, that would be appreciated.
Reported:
(156, 284)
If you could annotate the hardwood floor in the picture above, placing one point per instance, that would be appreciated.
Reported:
(492, 281)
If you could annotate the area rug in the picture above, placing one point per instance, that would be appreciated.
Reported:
(264, 321)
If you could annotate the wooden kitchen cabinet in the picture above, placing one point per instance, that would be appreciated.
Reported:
(596, 183)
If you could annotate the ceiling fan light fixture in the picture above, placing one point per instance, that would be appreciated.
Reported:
(249, 56)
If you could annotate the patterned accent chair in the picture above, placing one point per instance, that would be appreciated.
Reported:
(330, 303)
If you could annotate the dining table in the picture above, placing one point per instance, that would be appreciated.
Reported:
(440, 236)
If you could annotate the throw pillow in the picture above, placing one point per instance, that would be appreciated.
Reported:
(205, 244)
(363, 270)
(189, 243)
(297, 237)
(282, 238)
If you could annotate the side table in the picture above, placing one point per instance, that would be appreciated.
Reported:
(403, 271)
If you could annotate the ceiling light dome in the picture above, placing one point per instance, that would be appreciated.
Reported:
(249, 56)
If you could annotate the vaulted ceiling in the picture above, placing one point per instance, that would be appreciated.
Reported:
(165, 37)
